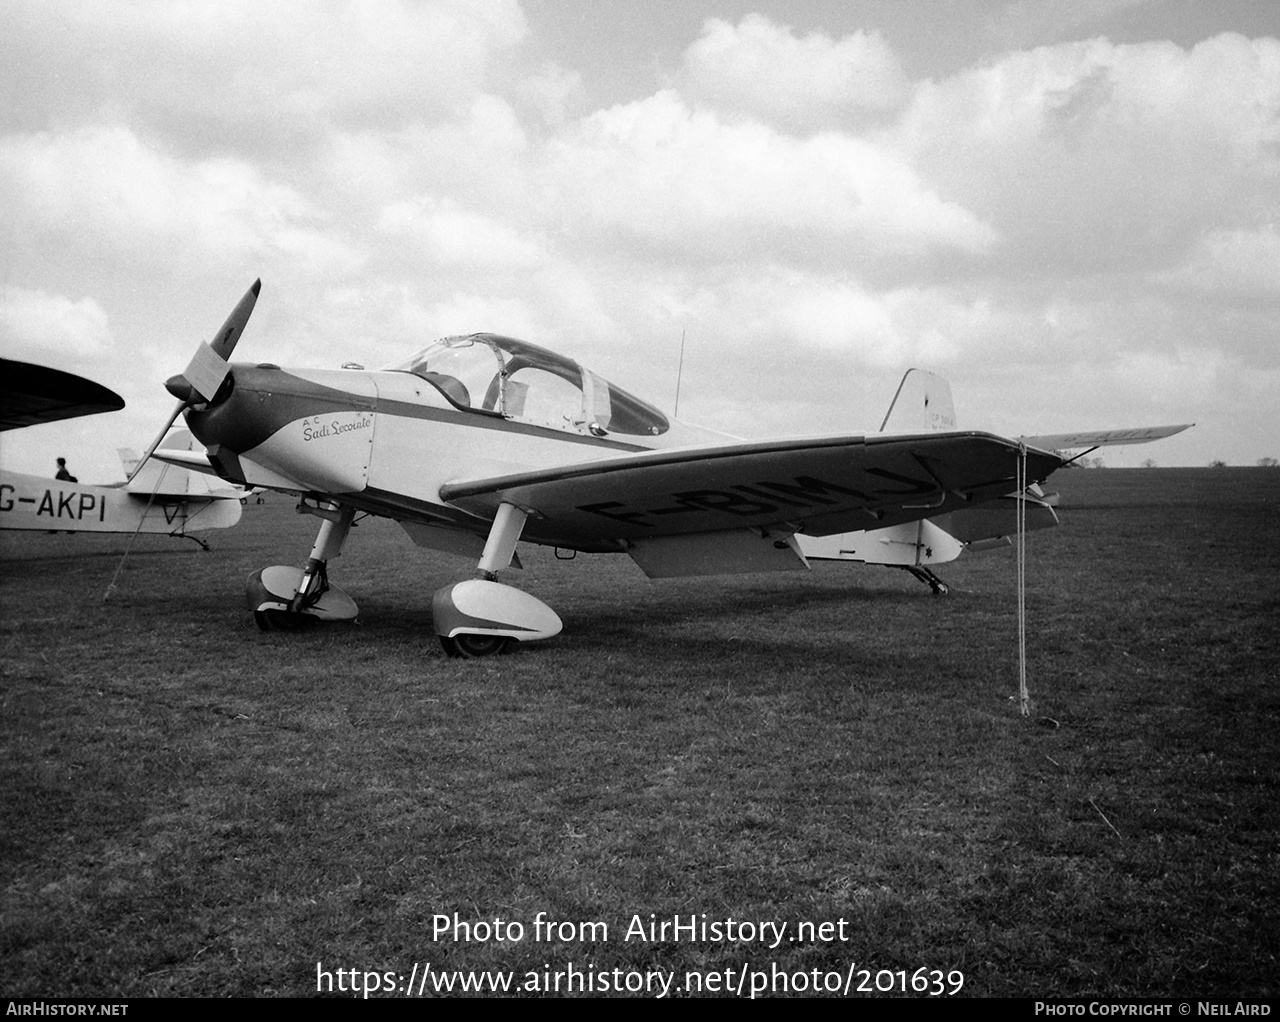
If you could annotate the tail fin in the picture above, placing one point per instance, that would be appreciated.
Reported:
(129, 459)
(922, 404)
(165, 480)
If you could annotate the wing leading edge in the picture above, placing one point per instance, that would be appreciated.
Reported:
(34, 394)
(1102, 437)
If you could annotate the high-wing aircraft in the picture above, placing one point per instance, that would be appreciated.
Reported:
(158, 498)
(477, 442)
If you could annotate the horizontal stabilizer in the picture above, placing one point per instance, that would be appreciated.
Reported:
(908, 545)
(935, 541)
(1101, 437)
(995, 522)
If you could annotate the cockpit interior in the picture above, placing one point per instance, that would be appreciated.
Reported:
(498, 375)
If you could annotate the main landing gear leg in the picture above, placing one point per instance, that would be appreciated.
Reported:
(499, 548)
(481, 617)
(285, 599)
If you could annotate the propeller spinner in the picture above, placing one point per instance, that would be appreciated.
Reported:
(200, 381)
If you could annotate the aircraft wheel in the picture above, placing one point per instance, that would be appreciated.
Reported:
(471, 647)
(283, 620)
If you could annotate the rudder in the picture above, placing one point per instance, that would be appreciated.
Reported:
(922, 404)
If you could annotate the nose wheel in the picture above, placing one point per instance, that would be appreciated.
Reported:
(285, 599)
(283, 620)
(472, 647)
(274, 599)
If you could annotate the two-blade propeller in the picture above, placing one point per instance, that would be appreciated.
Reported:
(199, 382)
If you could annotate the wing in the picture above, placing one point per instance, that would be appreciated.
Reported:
(818, 486)
(32, 394)
(1102, 437)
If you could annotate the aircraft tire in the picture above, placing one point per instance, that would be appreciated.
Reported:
(283, 620)
(472, 647)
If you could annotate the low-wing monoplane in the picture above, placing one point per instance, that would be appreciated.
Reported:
(158, 498)
(478, 442)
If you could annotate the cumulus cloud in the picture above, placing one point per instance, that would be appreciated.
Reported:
(761, 69)
(104, 188)
(466, 312)
(554, 90)
(480, 156)
(291, 63)
(1233, 264)
(687, 182)
(399, 169)
(38, 326)
(452, 236)
(1092, 156)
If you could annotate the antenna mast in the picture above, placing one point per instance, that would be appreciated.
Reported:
(679, 373)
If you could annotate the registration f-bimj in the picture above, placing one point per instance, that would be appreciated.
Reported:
(477, 443)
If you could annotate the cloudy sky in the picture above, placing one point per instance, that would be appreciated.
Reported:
(1069, 210)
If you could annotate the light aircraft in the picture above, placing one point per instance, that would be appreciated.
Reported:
(477, 442)
(158, 498)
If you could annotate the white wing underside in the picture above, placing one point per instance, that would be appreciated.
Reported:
(1101, 437)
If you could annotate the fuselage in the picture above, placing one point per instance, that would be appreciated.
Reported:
(39, 504)
(441, 439)
(386, 441)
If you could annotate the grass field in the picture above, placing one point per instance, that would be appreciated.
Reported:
(192, 807)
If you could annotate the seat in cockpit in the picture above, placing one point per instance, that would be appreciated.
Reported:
(450, 386)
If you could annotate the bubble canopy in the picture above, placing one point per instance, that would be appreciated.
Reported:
(519, 380)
